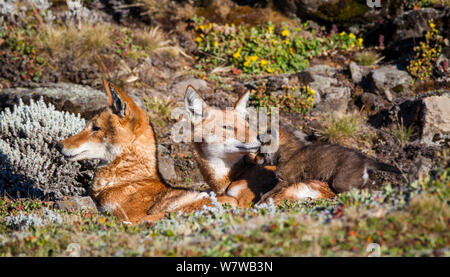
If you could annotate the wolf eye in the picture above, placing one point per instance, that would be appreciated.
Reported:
(95, 128)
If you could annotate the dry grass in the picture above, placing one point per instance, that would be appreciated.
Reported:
(81, 41)
(347, 130)
(367, 58)
(159, 110)
(154, 40)
(151, 39)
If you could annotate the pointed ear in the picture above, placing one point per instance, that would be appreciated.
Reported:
(241, 104)
(115, 101)
(194, 104)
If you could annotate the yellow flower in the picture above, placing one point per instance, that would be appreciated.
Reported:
(202, 35)
(342, 34)
(102, 220)
(432, 25)
(286, 41)
(198, 39)
(285, 33)
(270, 29)
(202, 27)
(351, 35)
(250, 59)
(360, 41)
(291, 50)
(269, 70)
(237, 54)
(216, 43)
(247, 62)
(264, 62)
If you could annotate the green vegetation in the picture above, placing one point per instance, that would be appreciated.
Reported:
(347, 130)
(426, 3)
(427, 52)
(265, 48)
(33, 44)
(159, 110)
(291, 99)
(367, 58)
(402, 134)
(16, 49)
(407, 221)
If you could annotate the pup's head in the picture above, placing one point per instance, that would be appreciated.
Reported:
(109, 132)
(224, 133)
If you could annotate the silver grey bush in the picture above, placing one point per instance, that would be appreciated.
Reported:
(30, 166)
(33, 220)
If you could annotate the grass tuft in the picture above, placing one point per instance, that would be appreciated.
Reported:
(345, 130)
(367, 58)
(159, 110)
(84, 41)
(402, 134)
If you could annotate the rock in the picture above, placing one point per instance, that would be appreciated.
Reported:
(429, 112)
(321, 9)
(421, 168)
(179, 88)
(414, 24)
(436, 120)
(390, 82)
(372, 101)
(330, 95)
(358, 72)
(77, 204)
(66, 97)
(322, 69)
(353, 15)
(167, 168)
(276, 82)
(335, 100)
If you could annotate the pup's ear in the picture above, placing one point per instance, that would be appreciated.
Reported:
(115, 101)
(194, 104)
(241, 104)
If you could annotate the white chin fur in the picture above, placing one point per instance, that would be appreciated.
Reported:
(87, 151)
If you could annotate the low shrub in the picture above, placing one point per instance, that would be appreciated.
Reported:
(428, 51)
(266, 48)
(30, 165)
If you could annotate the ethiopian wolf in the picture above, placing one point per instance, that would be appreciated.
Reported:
(222, 153)
(342, 168)
(127, 182)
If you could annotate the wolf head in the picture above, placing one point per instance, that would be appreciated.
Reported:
(109, 132)
(223, 134)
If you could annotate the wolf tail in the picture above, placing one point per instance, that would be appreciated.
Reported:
(384, 167)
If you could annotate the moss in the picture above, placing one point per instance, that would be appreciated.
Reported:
(342, 11)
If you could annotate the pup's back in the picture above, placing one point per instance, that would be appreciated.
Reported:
(342, 168)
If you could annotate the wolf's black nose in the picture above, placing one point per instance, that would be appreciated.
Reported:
(59, 147)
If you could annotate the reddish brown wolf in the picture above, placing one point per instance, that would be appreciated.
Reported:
(342, 168)
(221, 155)
(127, 182)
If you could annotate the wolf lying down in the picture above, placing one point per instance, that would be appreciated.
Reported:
(127, 182)
(342, 168)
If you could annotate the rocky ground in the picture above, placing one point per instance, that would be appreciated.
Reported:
(380, 95)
